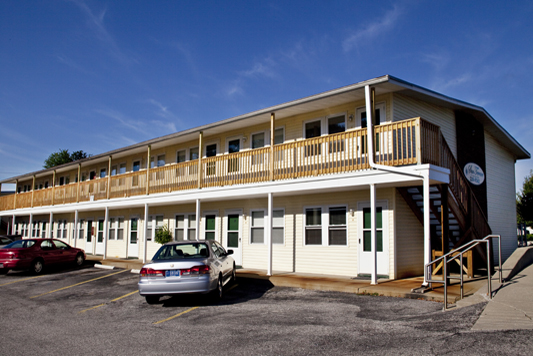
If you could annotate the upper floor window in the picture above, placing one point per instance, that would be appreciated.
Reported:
(258, 140)
(211, 150)
(193, 153)
(180, 156)
(160, 161)
(336, 124)
(136, 166)
(379, 116)
(313, 129)
(122, 168)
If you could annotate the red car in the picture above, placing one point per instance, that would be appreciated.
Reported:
(35, 254)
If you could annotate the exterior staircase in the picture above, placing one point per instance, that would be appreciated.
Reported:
(456, 216)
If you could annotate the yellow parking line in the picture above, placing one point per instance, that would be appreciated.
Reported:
(175, 316)
(20, 280)
(124, 296)
(114, 300)
(233, 286)
(77, 284)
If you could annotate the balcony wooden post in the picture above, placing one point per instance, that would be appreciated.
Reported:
(109, 179)
(418, 142)
(200, 154)
(148, 162)
(53, 186)
(32, 190)
(16, 192)
(272, 137)
(79, 183)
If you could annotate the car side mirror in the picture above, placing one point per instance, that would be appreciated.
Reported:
(230, 252)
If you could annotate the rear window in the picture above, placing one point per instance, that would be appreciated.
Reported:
(21, 244)
(181, 252)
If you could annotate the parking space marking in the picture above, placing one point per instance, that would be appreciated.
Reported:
(175, 316)
(77, 284)
(114, 300)
(232, 287)
(21, 280)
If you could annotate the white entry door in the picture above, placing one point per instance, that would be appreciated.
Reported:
(100, 237)
(382, 239)
(133, 244)
(232, 230)
(89, 237)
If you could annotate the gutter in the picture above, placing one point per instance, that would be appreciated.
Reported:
(370, 107)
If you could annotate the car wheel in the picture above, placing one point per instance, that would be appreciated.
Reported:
(4, 271)
(37, 266)
(79, 259)
(152, 299)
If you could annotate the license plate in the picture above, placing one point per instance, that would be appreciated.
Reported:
(1, 265)
(172, 273)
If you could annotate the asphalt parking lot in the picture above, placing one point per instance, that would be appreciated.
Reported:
(92, 311)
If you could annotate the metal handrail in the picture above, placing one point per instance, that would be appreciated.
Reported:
(458, 253)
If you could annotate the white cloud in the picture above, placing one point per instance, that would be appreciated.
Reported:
(96, 24)
(373, 29)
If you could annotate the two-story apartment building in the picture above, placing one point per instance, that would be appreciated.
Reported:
(375, 178)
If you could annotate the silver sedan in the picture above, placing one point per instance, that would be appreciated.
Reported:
(187, 267)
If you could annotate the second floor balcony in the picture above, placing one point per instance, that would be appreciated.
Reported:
(401, 143)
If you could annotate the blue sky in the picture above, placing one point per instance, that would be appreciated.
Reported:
(97, 75)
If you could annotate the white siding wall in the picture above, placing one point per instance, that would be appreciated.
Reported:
(409, 241)
(405, 108)
(501, 196)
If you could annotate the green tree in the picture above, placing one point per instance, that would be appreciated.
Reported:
(163, 235)
(524, 201)
(62, 157)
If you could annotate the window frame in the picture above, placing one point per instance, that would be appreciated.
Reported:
(338, 226)
(274, 226)
(324, 224)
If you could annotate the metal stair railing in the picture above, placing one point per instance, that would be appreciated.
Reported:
(458, 253)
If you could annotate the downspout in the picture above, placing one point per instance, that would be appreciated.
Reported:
(369, 99)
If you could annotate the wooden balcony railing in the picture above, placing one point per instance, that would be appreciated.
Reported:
(407, 142)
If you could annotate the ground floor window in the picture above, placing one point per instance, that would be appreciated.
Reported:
(313, 226)
(257, 235)
(185, 227)
(337, 226)
(116, 228)
(326, 226)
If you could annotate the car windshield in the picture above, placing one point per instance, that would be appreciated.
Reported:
(21, 244)
(182, 251)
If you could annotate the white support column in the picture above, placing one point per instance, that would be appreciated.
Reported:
(49, 230)
(197, 232)
(427, 224)
(30, 227)
(76, 232)
(106, 230)
(373, 241)
(13, 232)
(268, 230)
(146, 208)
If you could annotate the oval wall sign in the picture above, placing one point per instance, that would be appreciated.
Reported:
(474, 174)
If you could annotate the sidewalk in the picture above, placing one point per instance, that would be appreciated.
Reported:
(512, 304)
(390, 288)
